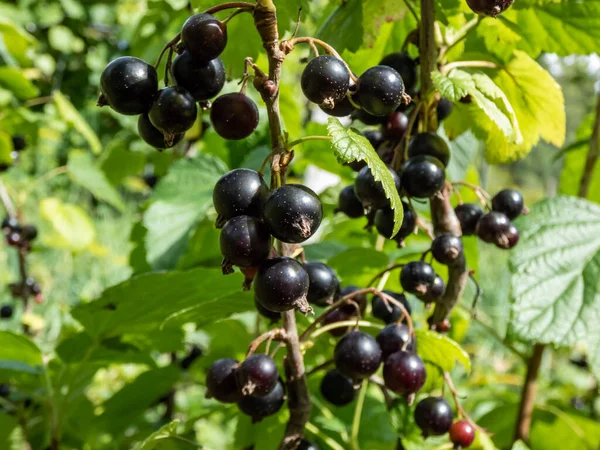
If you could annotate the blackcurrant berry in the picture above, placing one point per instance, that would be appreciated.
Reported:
(257, 375)
(423, 176)
(509, 202)
(433, 416)
(492, 226)
(405, 66)
(234, 116)
(29, 233)
(446, 248)
(202, 79)
(375, 137)
(324, 285)
(444, 326)
(342, 108)
(384, 222)
(150, 179)
(4, 390)
(404, 373)
(444, 109)
(462, 434)
(293, 213)
(281, 284)
(204, 36)
(337, 388)
(417, 277)
(19, 142)
(396, 126)
(245, 242)
(266, 313)
(369, 119)
(435, 292)
(468, 215)
(32, 286)
(14, 239)
(509, 238)
(307, 445)
(393, 338)
(6, 311)
(240, 192)
(10, 224)
(128, 86)
(360, 300)
(337, 315)
(357, 355)
(379, 90)
(153, 136)
(325, 80)
(369, 191)
(261, 407)
(173, 112)
(429, 144)
(349, 204)
(388, 312)
(357, 165)
(220, 381)
(489, 7)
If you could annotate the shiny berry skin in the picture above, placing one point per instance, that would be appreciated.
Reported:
(293, 213)
(437, 289)
(375, 137)
(234, 116)
(357, 355)
(379, 91)
(468, 215)
(462, 434)
(324, 285)
(19, 142)
(492, 226)
(394, 338)
(509, 202)
(429, 144)
(388, 312)
(240, 192)
(369, 191)
(29, 233)
(446, 248)
(396, 126)
(14, 239)
(245, 242)
(489, 7)
(128, 85)
(10, 224)
(204, 36)
(325, 80)
(202, 79)
(405, 66)
(174, 111)
(257, 375)
(349, 204)
(6, 311)
(360, 300)
(261, 407)
(4, 390)
(281, 284)
(433, 416)
(153, 136)
(337, 315)
(509, 238)
(220, 381)
(306, 445)
(444, 326)
(342, 108)
(423, 176)
(404, 373)
(369, 119)
(337, 388)
(384, 222)
(266, 313)
(417, 277)
(444, 109)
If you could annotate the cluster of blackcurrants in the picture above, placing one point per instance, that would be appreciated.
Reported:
(129, 85)
(19, 144)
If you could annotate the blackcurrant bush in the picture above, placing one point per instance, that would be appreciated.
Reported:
(393, 338)
(375, 137)
(444, 109)
(492, 226)
(6, 311)
(234, 116)
(405, 66)
(388, 312)
(335, 316)
(429, 144)
(489, 7)
(433, 416)
(357, 355)
(384, 222)
(509, 202)
(128, 86)
(153, 136)
(462, 434)
(173, 112)
(261, 407)
(360, 300)
(342, 108)
(293, 213)
(337, 388)
(369, 191)
(240, 192)
(19, 142)
(404, 373)
(446, 248)
(349, 204)
(396, 126)
(220, 381)
(257, 375)
(509, 238)
(266, 313)
(281, 284)
(10, 224)
(417, 277)
(468, 215)
(324, 285)
(369, 119)
(325, 80)
(307, 445)
(204, 36)
(423, 176)
(379, 90)
(202, 79)
(245, 242)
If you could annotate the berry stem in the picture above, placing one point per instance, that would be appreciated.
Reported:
(411, 8)
(230, 5)
(383, 272)
(343, 324)
(308, 138)
(275, 334)
(357, 414)
(592, 156)
(461, 412)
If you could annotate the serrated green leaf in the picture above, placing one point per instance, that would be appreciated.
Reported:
(440, 350)
(453, 87)
(165, 432)
(73, 228)
(350, 146)
(72, 117)
(15, 81)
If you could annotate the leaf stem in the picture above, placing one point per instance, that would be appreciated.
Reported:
(230, 5)
(308, 138)
(412, 10)
(344, 323)
(456, 64)
(357, 413)
(463, 33)
(317, 432)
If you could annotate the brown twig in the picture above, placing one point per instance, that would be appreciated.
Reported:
(592, 156)
(461, 412)
(278, 334)
(230, 5)
(527, 403)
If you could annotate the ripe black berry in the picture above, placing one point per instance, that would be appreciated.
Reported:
(6, 311)
(337, 315)
(468, 215)
(324, 285)
(423, 176)
(153, 136)
(261, 407)
(509, 238)
(349, 204)
(369, 191)
(204, 36)
(396, 126)
(369, 119)
(492, 226)
(433, 416)
(429, 144)
(202, 79)
(19, 142)
(444, 109)
(337, 388)
(405, 66)
(220, 381)
(342, 108)
(393, 338)
(325, 80)
(417, 277)
(234, 116)
(306, 445)
(245, 242)
(446, 248)
(357, 355)
(375, 137)
(360, 300)
(404, 373)
(384, 222)
(266, 313)
(379, 90)
(489, 7)
(128, 85)
(281, 284)
(293, 213)
(240, 192)
(4, 390)
(388, 312)
(257, 375)
(462, 434)
(10, 224)
(174, 112)
(509, 202)
(437, 289)
(14, 239)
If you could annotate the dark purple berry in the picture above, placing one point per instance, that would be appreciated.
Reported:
(462, 434)
(405, 66)
(509, 238)
(240, 192)
(396, 126)
(174, 112)
(489, 7)
(468, 215)
(360, 300)
(6, 311)
(281, 284)
(446, 248)
(257, 375)
(417, 277)
(234, 116)
(19, 142)
(349, 204)
(4, 390)
(266, 313)
(245, 242)
(429, 144)
(204, 36)
(153, 136)
(393, 338)
(444, 109)
(337, 388)
(384, 222)
(357, 355)
(261, 407)
(14, 239)
(379, 91)
(423, 176)
(342, 108)
(509, 202)
(388, 312)
(437, 289)
(307, 445)
(404, 373)
(325, 80)
(335, 316)
(369, 119)
(220, 381)
(324, 285)
(433, 416)
(202, 79)
(369, 191)
(10, 224)
(492, 226)
(375, 137)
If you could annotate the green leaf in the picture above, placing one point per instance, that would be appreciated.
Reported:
(73, 229)
(287, 13)
(378, 12)
(70, 115)
(519, 445)
(61, 38)
(350, 146)
(440, 350)
(167, 431)
(15, 81)
(453, 87)
(240, 31)
(343, 28)
(17, 41)
(358, 265)
(122, 162)
(18, 353)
